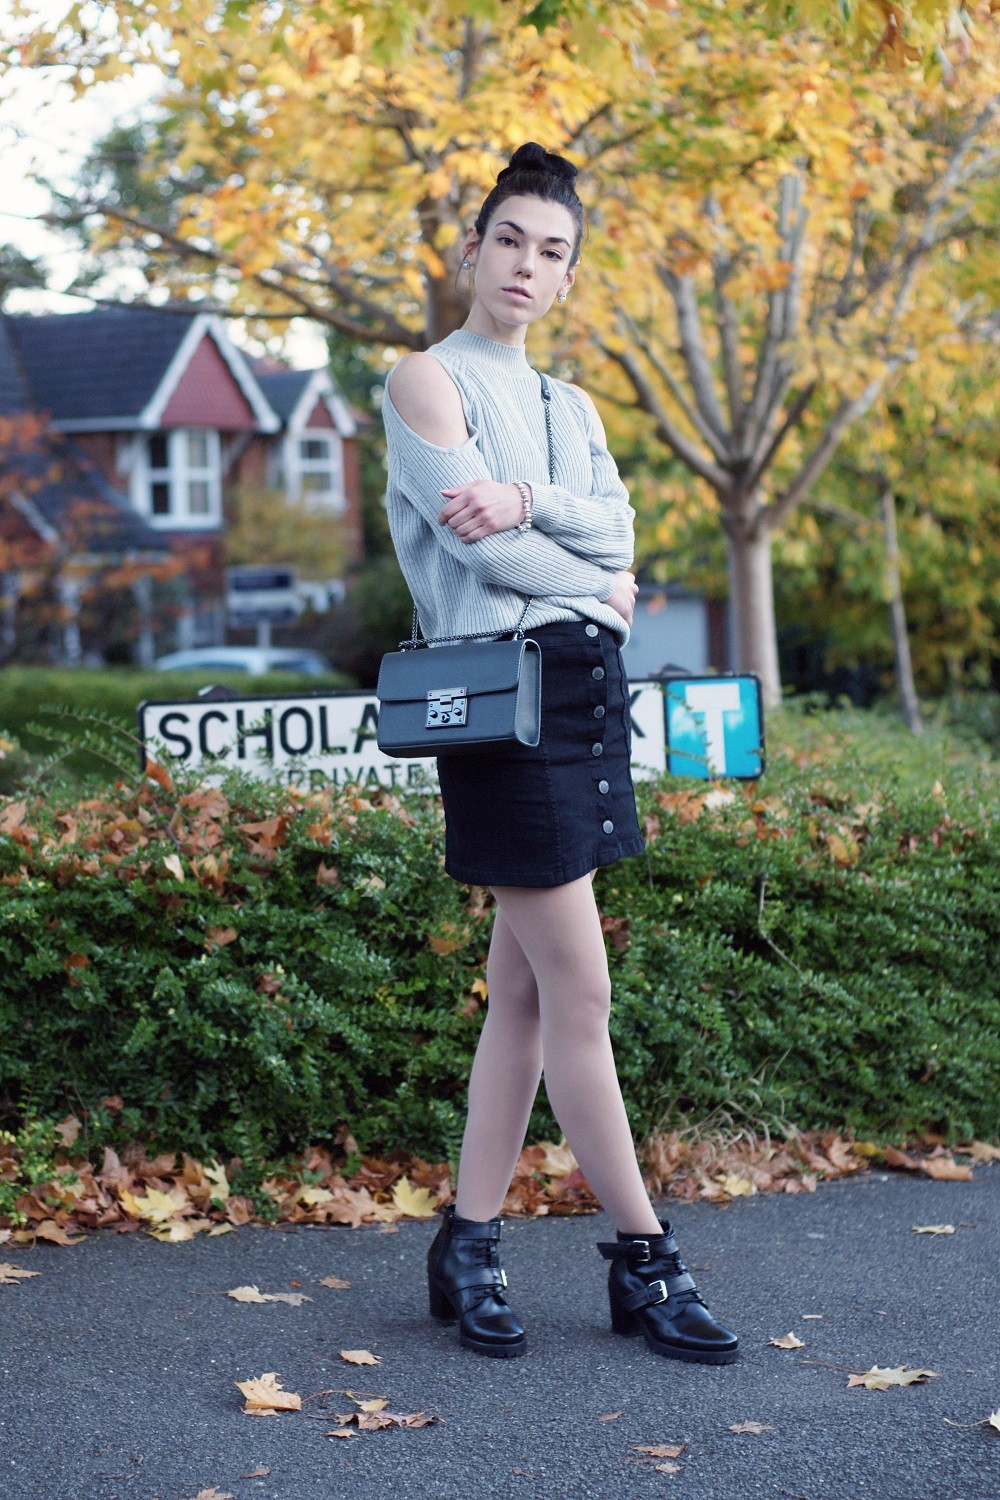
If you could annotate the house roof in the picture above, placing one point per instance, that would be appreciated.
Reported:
(64, 494)
(283, 388)
(106, 363)
(118, 367)
(13, 397)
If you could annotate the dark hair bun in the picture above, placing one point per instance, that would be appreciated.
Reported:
(531, 157)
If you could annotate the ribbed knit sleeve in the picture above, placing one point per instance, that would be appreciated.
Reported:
(532, 563)
(599, 525)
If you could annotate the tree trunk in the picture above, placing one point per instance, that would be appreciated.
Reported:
(447, 308)
(753, 632)
(897, 614)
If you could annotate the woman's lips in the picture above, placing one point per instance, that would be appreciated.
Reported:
(515, 291)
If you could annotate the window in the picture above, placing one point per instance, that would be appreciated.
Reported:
(316, 470)
(182, 478)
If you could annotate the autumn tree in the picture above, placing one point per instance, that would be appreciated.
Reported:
(767, 203)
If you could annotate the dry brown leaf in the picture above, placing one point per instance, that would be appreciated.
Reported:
(67, 1130)
(343, 1432)
(946, 1169)
(788, 1342)
(667, 1468)
(253, 1294)
(264, 1395)
(980, 1151)
(173, 866)
(255, 1473)
(895, 1158)
(335, 1282)
(416, 1203)
(221, 1229)
(661, 1450)
(877, 1379)
(360, 1357)
(754, 1427)
(214, 1494)
(933, 1228)
(611, 1416)
(50, 1230)
(13, 1275)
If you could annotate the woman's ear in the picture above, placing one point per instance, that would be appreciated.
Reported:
(470, 248)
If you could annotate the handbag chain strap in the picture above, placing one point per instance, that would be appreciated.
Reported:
(416, 638)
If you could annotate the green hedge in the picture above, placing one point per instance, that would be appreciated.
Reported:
(820, 949)
(49, 709)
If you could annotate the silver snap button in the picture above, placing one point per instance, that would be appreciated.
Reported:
(591, 629)
(603, 786)
(599, 711)
(608, 826)
(597, 749)
(597, 673)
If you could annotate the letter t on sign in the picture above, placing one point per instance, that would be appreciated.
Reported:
(711, 700)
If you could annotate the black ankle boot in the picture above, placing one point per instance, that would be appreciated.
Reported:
(465, 1282)
(652, 1293)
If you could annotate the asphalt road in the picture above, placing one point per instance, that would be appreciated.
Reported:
(118, 1362)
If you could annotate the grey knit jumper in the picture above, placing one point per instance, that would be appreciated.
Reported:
(582, 525)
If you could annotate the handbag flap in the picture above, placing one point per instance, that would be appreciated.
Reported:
(479, 667)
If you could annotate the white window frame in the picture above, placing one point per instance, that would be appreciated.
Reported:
(179, 475)
(297, 466)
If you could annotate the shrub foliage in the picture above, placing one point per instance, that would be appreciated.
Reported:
(246, 968)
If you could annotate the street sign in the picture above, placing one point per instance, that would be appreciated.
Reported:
(714, 726)
(261, 596)
(320, 739)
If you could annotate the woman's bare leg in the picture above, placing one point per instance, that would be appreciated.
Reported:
(558, 932)
(504, 1079)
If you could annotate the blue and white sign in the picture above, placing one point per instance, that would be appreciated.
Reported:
(714, 726)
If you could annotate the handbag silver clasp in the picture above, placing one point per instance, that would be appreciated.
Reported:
(447, 707)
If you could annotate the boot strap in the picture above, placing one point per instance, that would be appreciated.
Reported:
(639, 1250)
(487, 1278)
(657, 1291)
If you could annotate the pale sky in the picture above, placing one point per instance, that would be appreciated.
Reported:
(43, 127)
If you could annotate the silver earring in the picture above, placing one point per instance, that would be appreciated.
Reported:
(465, 265)
(562, 296)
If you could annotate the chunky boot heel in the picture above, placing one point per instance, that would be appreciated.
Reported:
(441, 1308)
(465, 1282)
(652, 1292)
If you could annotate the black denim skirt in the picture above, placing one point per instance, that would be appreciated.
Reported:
(547, 815)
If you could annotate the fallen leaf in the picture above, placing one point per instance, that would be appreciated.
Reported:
(335, 1282)
(214, 1494)
(661, 1450)
(416, 1203)
(877, 1379)
(980, 1151)
(754, 1427)
(343, 1432)
(611, 1416)
(67, 1130)
(255, 1473)
(933, 1228)
(994, 1419)
(264, 1395)
(173, 865)
(360, 1357)
(946, 1169)
(5, 1235)
(735, 1185)
(221, 1229)
(788, 1342)
(667, 1468)
(253, 1294)
(894, 1158)
(50, 1230)
(13, 1275)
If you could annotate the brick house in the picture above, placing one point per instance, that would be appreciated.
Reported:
(155, 414)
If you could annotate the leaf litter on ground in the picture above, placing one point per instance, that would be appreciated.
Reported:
(878, 1379)
(254, 1294)
(371, 1415)
(174, 1197)
(264, 1396)
(11, 1275)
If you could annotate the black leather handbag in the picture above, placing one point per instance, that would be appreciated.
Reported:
(465, 696)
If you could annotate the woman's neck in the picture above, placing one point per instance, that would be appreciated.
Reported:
(486, 326)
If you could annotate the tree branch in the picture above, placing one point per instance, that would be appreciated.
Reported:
(719, 450)
(699, 372)
(674, 439)
(847, 412)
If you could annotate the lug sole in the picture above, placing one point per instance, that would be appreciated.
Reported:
(494, 1351)
(691, 1356)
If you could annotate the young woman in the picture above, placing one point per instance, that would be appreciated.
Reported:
(481, 528)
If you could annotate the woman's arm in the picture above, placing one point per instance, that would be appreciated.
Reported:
(433, 450)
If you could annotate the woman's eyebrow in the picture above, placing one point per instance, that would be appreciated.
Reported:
(552, 239)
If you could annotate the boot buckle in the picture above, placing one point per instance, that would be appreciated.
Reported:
(503, 1277)
(663, 1292)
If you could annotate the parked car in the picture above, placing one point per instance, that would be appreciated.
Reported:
(253, 660)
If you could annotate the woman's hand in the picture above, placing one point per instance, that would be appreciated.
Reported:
(623, 595)
(480, 509)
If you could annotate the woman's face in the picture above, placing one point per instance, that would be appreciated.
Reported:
(523, 260)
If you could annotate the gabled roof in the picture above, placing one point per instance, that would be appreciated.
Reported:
(66, 498)
(117, 367)
(294, 393)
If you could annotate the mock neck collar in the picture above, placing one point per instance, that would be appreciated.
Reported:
(510, 357)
